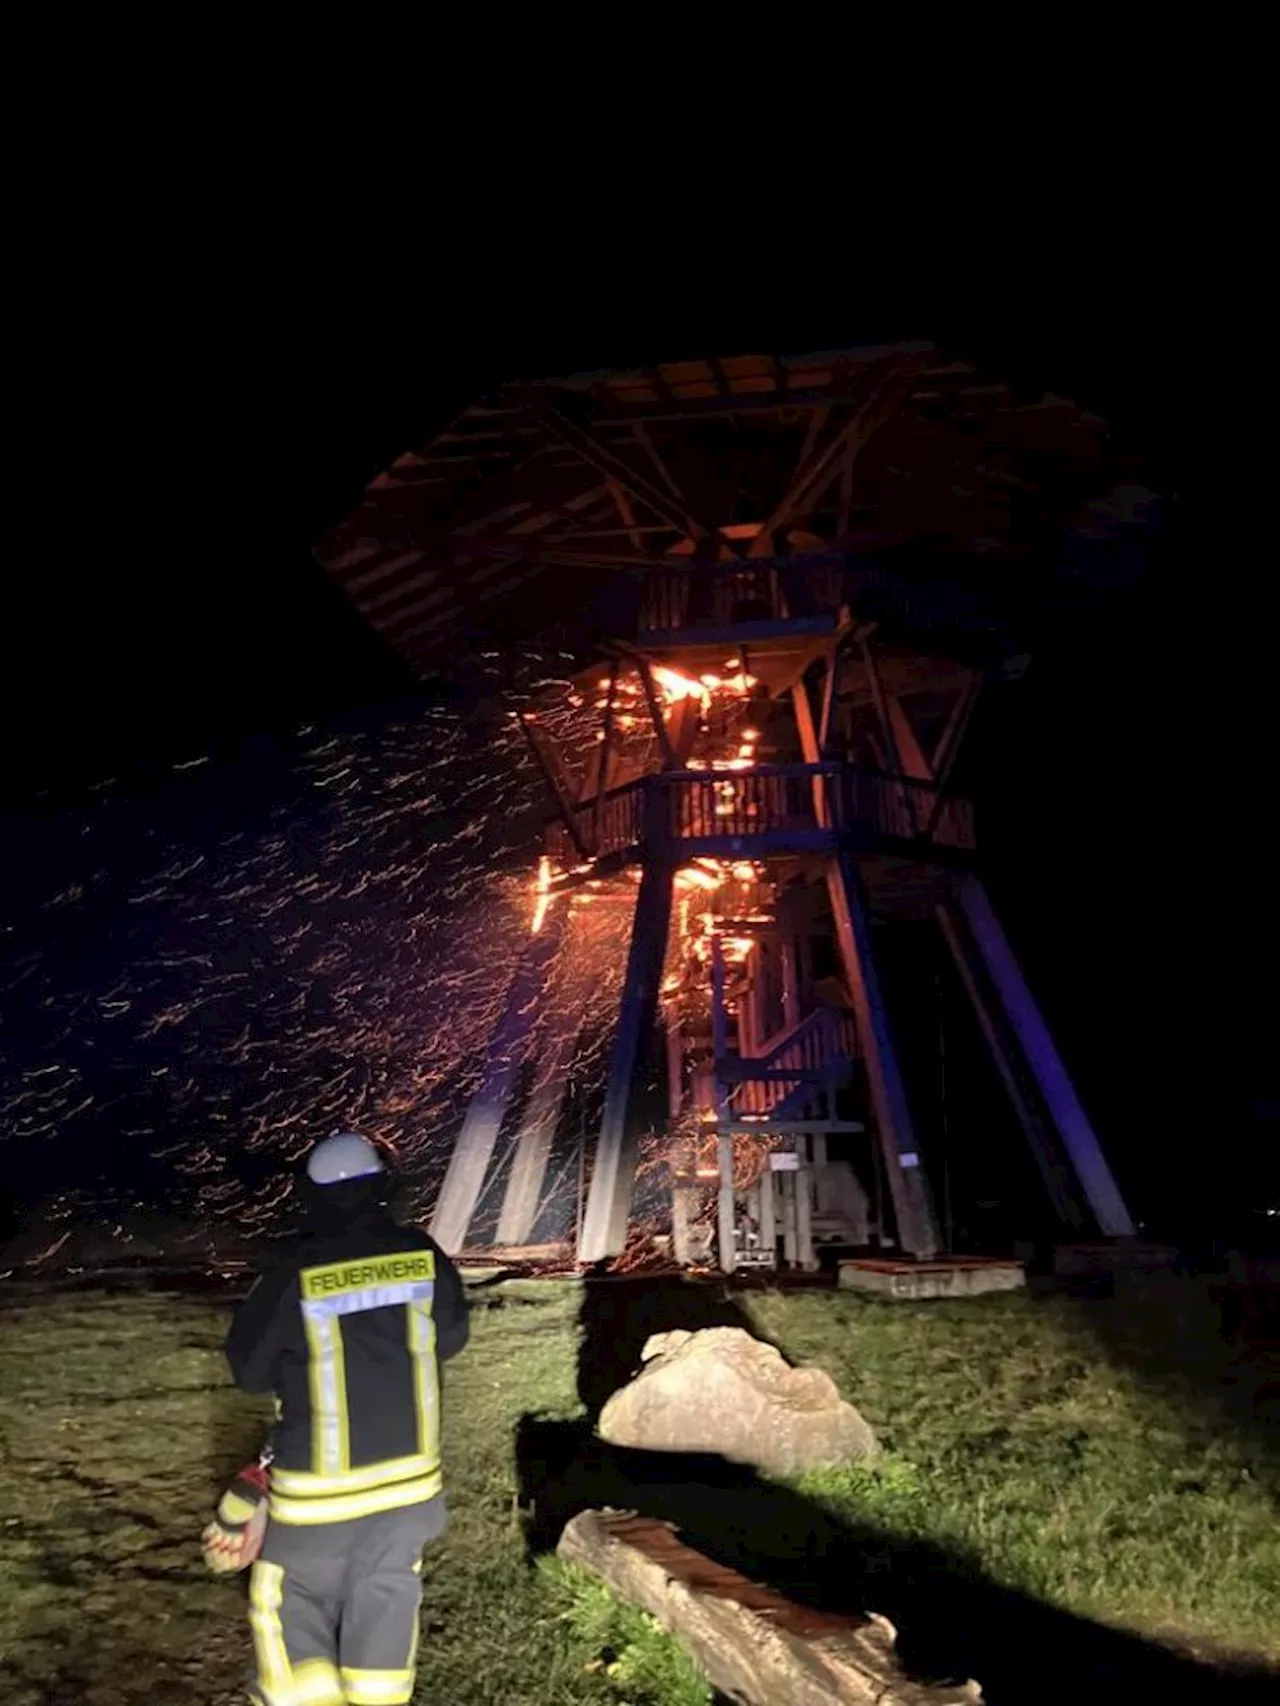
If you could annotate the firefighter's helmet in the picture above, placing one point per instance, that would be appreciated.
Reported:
(345, 1155)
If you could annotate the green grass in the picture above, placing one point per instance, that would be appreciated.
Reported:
(1100, 1481)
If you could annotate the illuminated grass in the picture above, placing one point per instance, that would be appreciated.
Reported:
(1010, 1433)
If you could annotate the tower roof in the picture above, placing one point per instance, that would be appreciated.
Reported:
(521, 510)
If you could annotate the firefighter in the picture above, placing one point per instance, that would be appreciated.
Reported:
(348, 1330)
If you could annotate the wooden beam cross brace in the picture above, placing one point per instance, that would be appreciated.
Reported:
(556, 781)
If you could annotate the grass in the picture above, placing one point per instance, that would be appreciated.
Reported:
(1025, 1433)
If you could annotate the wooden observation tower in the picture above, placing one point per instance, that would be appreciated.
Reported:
(785, 586)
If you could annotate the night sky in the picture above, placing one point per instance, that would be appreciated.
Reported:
(165, 607)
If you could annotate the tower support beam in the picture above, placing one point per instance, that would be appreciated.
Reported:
(604, 1224)
(508, 1046)
(1046, 1064)
(912, 1199)
(537, 1132)
(1028, 1117)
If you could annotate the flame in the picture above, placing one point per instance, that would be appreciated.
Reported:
(676, 686)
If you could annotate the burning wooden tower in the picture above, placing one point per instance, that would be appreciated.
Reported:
(786, 585)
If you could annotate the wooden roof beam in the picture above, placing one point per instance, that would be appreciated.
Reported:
(598, 455)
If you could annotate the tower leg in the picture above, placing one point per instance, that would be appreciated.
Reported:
(533, 1145)
(912, 1200)
(473, 1150)
(768, 1215)
(681, 1197)
(804, 1209)
(1033, 1130)
(604, 1225)
(726, 1216)
(1046, 1064)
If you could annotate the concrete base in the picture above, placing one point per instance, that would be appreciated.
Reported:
(955, 1276)
(1119, 1256)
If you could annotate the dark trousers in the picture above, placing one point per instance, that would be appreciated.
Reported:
(335, 1608)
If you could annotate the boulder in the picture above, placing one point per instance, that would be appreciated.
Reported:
(720, 1390)
(751, 1644)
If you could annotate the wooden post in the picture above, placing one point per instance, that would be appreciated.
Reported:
(473, 1150)
(912, 1200)
(804, 1208)
(790, 1240)
(681, 1193)
(790, 984)
(604, 1224)
(675, 1064)
(821, 1194)
(1078, 1136)
(1028, 1118)
(768, 1218)
(538, 1128)
(726, 1214)
(719, 1019)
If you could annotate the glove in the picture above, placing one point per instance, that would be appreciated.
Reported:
(233, 1539)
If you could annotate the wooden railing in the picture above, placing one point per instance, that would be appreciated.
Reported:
(809, 802)
(717, 595)
(818, 1050)
(674, 598)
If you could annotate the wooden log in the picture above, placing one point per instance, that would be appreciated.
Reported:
(751, 1643)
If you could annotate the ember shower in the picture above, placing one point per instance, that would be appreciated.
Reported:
(197, 984)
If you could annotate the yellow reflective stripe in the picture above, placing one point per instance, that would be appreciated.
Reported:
(316, 1683)
(234, 1510)
(301, 1483)
(426, 1377)
(330, 1446)
(343, 1508)
(377, 1687)
(266, 1593)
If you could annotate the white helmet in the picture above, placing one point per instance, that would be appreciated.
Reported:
(343, 1156)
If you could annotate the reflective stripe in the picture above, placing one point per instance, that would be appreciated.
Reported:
(316, 1683)
(378, 1687)
(343, 1507)
(266, 1593)
(329, 1441)
(235, 1512)
(426, 1376)
(300, 1484)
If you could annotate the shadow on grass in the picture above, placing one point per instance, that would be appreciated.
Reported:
(953, 1622)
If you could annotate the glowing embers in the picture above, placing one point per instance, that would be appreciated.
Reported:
(542, 894)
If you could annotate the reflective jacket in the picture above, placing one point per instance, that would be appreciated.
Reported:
(348, 1330)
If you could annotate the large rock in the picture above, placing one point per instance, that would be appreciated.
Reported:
(720, 1390)
(754, 1646)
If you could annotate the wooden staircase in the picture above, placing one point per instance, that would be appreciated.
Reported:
(797, 1074)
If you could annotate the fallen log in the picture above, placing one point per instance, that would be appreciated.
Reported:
(753, 1645)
